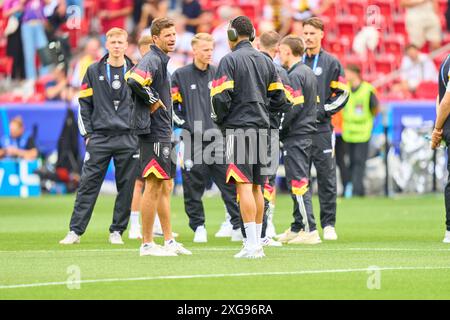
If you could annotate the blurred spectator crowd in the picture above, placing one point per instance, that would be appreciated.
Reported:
(47, 45)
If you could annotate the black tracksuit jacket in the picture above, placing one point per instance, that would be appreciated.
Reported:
(97, 113)
(246, 89)
(191, 97)
(302, 88)
(149, 80)
(333, 89)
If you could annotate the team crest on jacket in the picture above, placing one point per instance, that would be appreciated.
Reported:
(166, 152)
(318, 71)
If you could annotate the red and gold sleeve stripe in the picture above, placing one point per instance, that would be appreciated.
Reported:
(275, 86)
(220, 85)
(340, 84)
(176, 95)
(141, 77)
(85, 91)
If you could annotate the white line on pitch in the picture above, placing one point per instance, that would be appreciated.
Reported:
(285, 248)
(224, 275)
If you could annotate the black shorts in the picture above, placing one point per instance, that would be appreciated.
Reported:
(156, 158)
(247, 157)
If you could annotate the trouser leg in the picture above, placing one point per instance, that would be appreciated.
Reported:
(297, 162)
(97, 158)
(325, 163)
(126, 161)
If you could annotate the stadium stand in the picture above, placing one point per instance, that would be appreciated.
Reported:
(344, 20)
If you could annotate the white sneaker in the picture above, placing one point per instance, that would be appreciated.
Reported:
(236, 235)
(71, 238)
(250, 253)
(225, 230)
(135, 232)
(307, 238)
(177, 248)
(152, 249)
(115, 238)
(269, 242)
(287, 236)
(447, 237)
(201, 236)
(329, 233)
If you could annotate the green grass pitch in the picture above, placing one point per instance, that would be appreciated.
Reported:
(400, 237)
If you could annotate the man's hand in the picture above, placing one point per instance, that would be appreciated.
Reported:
(156, 106)
(436, 138)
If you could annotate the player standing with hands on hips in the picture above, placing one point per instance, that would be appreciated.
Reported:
(103, 120)
(151, 120)
(245, 90)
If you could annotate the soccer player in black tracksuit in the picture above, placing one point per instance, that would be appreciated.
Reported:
(442, 130)
(245, 89)
(152, 121)
(105, 103)
(297, 129)
(191, 86)
(333, 95)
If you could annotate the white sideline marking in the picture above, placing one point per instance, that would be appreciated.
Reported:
(224, 275)
(284, 248)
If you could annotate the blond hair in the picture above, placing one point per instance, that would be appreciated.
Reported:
(145, 41)
(116, 32)
(202, 36)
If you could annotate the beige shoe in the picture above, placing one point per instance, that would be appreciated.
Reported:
(329, 233)
(287, 236)
(307, 238)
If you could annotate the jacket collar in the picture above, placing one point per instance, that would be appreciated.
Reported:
(297, 64)
(198, 70)
(312, 56)
(162, 55)
(243, 44)
(266, 54)
(104, 60)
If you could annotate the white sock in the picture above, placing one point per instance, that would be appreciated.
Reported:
(157, 223)
(258, 230)
(250, 231)
(134, 218)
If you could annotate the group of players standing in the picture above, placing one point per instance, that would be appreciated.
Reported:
(251, 101)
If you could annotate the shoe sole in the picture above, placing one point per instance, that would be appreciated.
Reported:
(306, 242)
(156, 255)
(68, 244)
(222, 235)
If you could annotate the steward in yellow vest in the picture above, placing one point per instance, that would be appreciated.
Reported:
(358, 116)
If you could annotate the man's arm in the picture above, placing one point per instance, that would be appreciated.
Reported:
(139, 79)
(442, 114)
(222, 89)
(278, 94)
(179, 112)
(85, 99)
(339, 92)
(295, 96)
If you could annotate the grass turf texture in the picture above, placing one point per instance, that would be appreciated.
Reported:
(401, 236)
